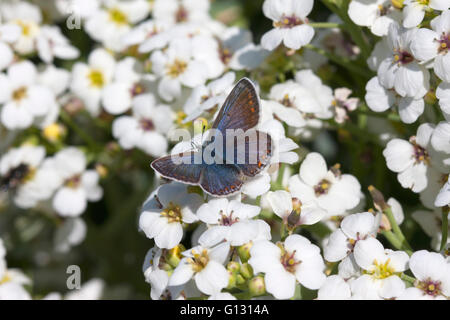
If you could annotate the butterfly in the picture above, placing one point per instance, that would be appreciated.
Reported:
(249, 155)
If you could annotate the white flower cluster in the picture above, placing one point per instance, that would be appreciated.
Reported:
(157, 66)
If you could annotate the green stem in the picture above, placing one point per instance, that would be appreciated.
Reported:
(80, 132)
(397, 231)
(391, 237)
(340, 61)
(407, 278)
(444, 228)
(324, 25)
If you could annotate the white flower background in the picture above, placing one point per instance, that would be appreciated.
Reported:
(354, 93)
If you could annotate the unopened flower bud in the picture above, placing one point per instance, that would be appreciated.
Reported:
(378, 199)
(244, 251)
(257, 286)
(246, 271)
(233, 266)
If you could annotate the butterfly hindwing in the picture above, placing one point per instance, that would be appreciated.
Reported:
(221, 180)
(254, 155)
(180, 167)
(240, 110)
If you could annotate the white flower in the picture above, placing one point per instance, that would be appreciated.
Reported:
(293, 211)
(354, 228)
(24, 171)
(165, 211)
(378, 15)
(443, 94)
(178, 66)
(290, 23)
(343, 104)
(157, 277)
(89, 80)
(205, 266)
(434, 45)
(237, 50)
(382, 267)
(9, 33)
(181, 11)
(230, 221)
(52, 43)
(433, 274)
(410, 159)
(78, 184)
(414, 10)
(285, 102)
(319, 98)
(12, 280)
(146, 128)
(149, 35)
(332, 191)
(29, 18)
(334, 288)
(436, 181)
(380, 99)
(22, 97)
(118, 95)
(401, 70)
(286, 263)
(112, 22)
(443, 198)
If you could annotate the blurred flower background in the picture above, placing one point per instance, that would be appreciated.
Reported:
(355, 95)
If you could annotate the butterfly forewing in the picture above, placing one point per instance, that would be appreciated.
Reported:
(179, 167)
(241, 108)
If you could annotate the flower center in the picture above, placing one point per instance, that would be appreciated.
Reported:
(137, 89)
(403, 57)
(225, 55)
(381, 270)
(6, 278)
(227, 220)
(322, 187)
(430, 287)
(19, 94)
(181, 15)
(420, 153)
(147, 125)
(117, 16)
(28, 28)
(444, 43)
(73, 182)
(287, 101)
(172, 212)
(288, 260)
(96, 78)
(199, 261)
(288, 22)
(176, 68)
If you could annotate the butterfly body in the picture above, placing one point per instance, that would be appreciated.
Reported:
(232, 158)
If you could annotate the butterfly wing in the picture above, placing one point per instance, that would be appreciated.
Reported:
(252, 156)
(240, 110)
(221, 179)
(180, 167)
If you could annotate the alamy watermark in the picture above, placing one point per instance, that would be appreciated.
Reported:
(74, 279)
